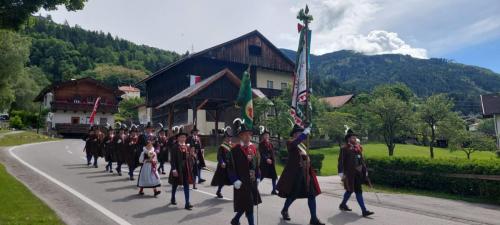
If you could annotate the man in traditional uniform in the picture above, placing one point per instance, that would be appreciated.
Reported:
(132, 157)
(162, 149)
(245, 176)
(89, 144)
(353, 172)
(298, 179)
(181, 169)
(221, 176)
(267, 160)
(121, 148)
(147, 135)
(92, 146)
(109, 149)
(195, 143)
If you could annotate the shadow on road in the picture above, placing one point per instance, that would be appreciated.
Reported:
(211, 202)
(123, 179)
(158, 210)
(132, 187)
(205, 213)
(344, 218)
(133, 197)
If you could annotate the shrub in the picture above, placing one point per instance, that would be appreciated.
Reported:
(16, 122)
(29, 119)
(430, 174)
(317, 161)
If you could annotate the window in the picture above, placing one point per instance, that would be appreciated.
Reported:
(254, 50)
(284, 85)
(270, 84)
(75, 120)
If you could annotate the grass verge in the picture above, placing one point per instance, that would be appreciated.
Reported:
(20, 206)
(24, 137)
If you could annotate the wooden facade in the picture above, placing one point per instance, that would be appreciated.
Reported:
(251, 50)
(71, 103)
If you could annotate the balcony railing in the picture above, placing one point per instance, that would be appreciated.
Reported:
(82, 107)
(67, 128)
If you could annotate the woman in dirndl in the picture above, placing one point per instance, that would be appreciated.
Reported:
(148, 175)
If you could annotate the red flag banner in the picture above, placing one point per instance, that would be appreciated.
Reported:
(96, 104)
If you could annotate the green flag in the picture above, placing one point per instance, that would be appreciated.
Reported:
(245, 100)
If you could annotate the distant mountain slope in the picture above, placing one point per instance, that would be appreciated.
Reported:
(65, 52)
(347, 71)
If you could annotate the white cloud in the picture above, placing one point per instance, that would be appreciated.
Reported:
(338, 25)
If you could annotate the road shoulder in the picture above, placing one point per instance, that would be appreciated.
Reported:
(68, 207)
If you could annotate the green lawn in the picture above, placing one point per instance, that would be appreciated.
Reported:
(24, 137)
(378, 150)
(20, 206)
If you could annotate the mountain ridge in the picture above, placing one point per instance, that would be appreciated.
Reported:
(345, 71)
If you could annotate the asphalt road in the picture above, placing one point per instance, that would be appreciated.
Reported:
(115, 198)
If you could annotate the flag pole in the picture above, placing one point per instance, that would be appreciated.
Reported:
(308, 114)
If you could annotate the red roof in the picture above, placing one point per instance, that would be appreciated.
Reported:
(128, 89)
(337, 101)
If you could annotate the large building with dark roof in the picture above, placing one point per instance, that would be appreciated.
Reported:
(174, 102)
(490, 105)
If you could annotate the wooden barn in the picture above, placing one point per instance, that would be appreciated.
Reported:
(71, 103)
(177, 101)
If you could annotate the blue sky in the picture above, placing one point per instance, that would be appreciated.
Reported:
(486, 55)
(463, 30)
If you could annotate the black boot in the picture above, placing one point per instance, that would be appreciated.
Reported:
(219, 195)
(173, 202)
(344, 207)
(188, 207)
(285, 215)
(234, 222)
(315, 222)
(157, 193)
(367, 213)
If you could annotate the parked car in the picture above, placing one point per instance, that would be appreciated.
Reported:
(4, 117)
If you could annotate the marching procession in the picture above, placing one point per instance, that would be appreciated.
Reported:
(240, 163)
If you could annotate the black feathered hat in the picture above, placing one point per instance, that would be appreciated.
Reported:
(349, 134)
(134, 128)
(240, 127)
(162, 128)
(296, 128)
(227, 132)
(149, 125)
(195, 129)
(181, 132)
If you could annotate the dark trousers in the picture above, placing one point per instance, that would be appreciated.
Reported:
(311, 202)
(89, 158)
(119, 167)
(219, 189)
(248, 214)
(110, 166)
(186, 192)
(131, 168)
(161, 167)
(359, 198)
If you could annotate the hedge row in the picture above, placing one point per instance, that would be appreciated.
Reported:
(400, 172)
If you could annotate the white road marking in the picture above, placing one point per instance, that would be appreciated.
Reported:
(96, 205)
(70, 152)
(207, 193)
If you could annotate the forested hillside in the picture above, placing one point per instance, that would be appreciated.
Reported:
(349, 72)
(65, 52)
